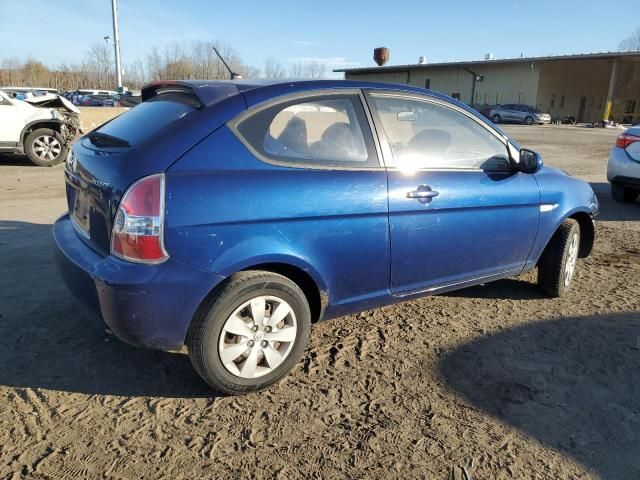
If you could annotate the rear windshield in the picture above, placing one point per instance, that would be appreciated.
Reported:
(148, 117)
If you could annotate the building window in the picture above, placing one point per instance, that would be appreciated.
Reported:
(630, 106)
(552, 103)
(427, 83)
(456, 95)
(562, 101)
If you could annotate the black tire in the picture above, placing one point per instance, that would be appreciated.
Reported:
(528, 121)
(31, 148)
(624, 194)
(207, 327)
(553, 263)
(496, 119)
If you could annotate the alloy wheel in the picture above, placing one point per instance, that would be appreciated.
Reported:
(46, 148)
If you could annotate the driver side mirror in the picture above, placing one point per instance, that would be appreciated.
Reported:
(530, 161)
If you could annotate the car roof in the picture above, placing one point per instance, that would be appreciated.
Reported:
(256, 91)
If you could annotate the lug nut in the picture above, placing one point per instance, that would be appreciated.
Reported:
(250, 343)
(254, 328)
(267, 329)
(264, 344)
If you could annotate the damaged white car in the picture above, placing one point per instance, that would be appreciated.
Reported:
(41, 127)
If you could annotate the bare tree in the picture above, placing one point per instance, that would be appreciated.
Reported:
(154, 64)
(296, 70)
(315, 69)
(34, 73)
(274, 69)
(308, 69)
(99, 63)
(632, 42)
(11, 72)
(175, 61)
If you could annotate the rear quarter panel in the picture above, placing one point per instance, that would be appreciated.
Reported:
(227, 211)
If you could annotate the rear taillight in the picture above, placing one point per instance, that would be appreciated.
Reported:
(626, 139)
(138, 227)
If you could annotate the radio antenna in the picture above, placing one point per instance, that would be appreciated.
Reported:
(232, 75)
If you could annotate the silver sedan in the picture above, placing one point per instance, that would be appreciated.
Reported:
(516, 113)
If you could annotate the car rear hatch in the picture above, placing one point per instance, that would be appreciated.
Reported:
(146, 140)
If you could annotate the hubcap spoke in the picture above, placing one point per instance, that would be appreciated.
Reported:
(258, 306)
(286, 334)
(280, 313)
(272, 356)
(231, 352)
(236, 326)
(249, 367)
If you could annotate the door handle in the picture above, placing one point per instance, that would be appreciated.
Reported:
(422, 194)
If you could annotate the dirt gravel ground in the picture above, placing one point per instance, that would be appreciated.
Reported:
(492, 382)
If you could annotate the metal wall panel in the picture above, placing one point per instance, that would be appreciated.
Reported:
(501, 83)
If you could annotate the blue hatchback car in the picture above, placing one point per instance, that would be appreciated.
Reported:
(231, 215)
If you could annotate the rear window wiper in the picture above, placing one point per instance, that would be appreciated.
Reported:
(100, 139)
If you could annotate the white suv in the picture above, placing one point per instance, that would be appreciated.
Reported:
(41, 127)
(623, 169)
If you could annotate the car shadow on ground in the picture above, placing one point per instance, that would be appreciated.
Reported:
(507, 289)
(15, 160)
(571, 383)
(612, 211)
(47, 342)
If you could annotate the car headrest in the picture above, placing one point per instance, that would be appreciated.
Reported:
(430, 139)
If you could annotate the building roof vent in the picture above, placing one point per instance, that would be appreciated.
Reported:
(422, 60)
(489, 56)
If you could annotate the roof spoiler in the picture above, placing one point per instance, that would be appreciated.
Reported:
(207, 93)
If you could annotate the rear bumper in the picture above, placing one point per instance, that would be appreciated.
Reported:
(622, 169)
(145, 305)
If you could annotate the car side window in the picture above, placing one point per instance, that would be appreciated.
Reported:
(319, 131)
(424, 134)
(4, 101)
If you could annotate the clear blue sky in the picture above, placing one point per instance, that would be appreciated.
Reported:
(339, 33)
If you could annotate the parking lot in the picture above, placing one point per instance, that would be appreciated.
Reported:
(496, 381)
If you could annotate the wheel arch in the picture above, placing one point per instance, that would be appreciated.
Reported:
(306, 277)
(51, 123)
(316, 297)
(587, 232)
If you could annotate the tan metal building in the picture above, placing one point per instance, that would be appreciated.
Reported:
(588, 87)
